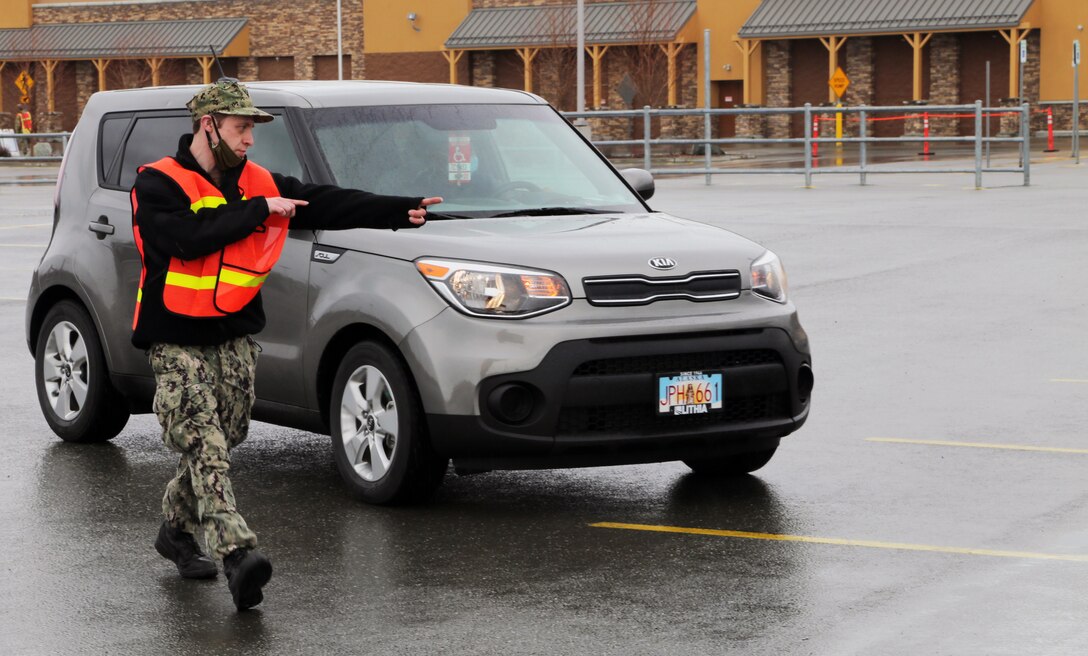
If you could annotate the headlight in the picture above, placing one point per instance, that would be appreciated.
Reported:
(490, 290)
(769, 278)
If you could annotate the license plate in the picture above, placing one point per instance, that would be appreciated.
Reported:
(689, 393)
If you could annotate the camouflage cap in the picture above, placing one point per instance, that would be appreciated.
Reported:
(226, 96)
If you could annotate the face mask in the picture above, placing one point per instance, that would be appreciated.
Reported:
(225, 158)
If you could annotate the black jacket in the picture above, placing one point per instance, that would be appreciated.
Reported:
(168, 230)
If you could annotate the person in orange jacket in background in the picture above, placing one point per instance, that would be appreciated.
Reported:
(26, 126)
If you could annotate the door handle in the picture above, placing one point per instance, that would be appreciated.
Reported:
(101, 227)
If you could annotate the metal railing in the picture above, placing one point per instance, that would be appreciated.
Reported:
(32, 139)
(811, 166)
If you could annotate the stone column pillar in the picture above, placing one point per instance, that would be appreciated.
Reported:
(859, 68)
(686, 127)
(1031, 81)
(778, 91)
(484, 73)
(86, 83)
(914, 126)
(751, 125)
(48, 122)
(1010, 122)
(944, 80)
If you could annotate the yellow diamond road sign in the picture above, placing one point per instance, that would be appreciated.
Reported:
(24, 82)
(839, 82)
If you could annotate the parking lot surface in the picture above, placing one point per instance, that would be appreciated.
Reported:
(935, 502)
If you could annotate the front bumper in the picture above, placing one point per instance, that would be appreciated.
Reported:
(593, 401)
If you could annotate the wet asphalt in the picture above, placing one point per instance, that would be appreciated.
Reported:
(935, 502)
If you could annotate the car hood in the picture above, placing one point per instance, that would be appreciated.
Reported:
(573, 246)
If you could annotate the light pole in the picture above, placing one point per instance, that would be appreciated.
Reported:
(339, 44)
(581, 56)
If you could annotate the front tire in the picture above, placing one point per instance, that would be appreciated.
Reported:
(74, 390)
(734, 465)
(379, 439)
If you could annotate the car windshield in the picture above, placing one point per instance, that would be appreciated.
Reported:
(484, 160)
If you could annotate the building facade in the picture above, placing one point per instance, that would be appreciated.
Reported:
(774, 53)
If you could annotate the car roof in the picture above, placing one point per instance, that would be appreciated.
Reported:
(316, 93)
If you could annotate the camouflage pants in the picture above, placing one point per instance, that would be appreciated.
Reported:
(203, 397)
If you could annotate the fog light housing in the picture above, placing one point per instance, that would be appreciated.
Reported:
(512, 403)
(805, 382)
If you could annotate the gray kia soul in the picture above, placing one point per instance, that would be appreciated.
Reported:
(544, 316)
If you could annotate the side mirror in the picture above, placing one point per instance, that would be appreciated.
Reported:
(641, 180)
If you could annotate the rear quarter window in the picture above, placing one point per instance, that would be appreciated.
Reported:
(151, 139)
(110, 137)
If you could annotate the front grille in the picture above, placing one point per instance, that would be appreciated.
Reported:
(641, 290)
(642, 418)
(669, 363)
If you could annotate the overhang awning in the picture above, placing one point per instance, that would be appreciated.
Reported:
(808, 18)
(175, 38)
(637, 21)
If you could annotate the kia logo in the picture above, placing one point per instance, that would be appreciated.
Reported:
(662, 263)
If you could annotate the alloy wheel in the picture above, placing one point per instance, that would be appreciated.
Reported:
(368, 423)
(66, 372)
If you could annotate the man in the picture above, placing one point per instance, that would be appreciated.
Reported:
(26, 126)
(210, 225)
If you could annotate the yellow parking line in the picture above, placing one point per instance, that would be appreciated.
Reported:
(978, 445)
(870, 544)
(1068, 380)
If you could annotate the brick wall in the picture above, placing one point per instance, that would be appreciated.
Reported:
(295, 32)
(275, 68)
(1063, 117)
(326, 67)
(415, 67)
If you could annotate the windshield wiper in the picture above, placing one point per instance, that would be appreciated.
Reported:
(441, 216)
(552, 211)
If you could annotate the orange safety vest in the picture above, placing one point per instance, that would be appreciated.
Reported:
(224, 282)
(25, 122)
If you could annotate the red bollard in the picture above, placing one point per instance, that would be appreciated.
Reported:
(815, 135)
(925, 135)
(1050, 131)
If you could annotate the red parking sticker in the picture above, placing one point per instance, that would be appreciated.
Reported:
(460, 158)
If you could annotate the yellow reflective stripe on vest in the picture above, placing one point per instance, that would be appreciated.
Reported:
(239, 279)
(208, 282)
(209, 201)
(190, 282)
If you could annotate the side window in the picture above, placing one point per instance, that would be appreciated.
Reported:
(272, 148)
(155, 137)
(151, 138)
(109, 144)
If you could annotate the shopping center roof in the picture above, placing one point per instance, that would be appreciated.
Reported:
(174, 38)
(638, 21)
(797, 18)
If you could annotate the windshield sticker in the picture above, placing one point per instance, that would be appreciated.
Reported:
(460, 158)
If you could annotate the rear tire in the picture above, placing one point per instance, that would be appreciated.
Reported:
(379, 438)
(734, 465)
(73, 383)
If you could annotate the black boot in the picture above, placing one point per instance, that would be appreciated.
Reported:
(181, 548)
(247, 572)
